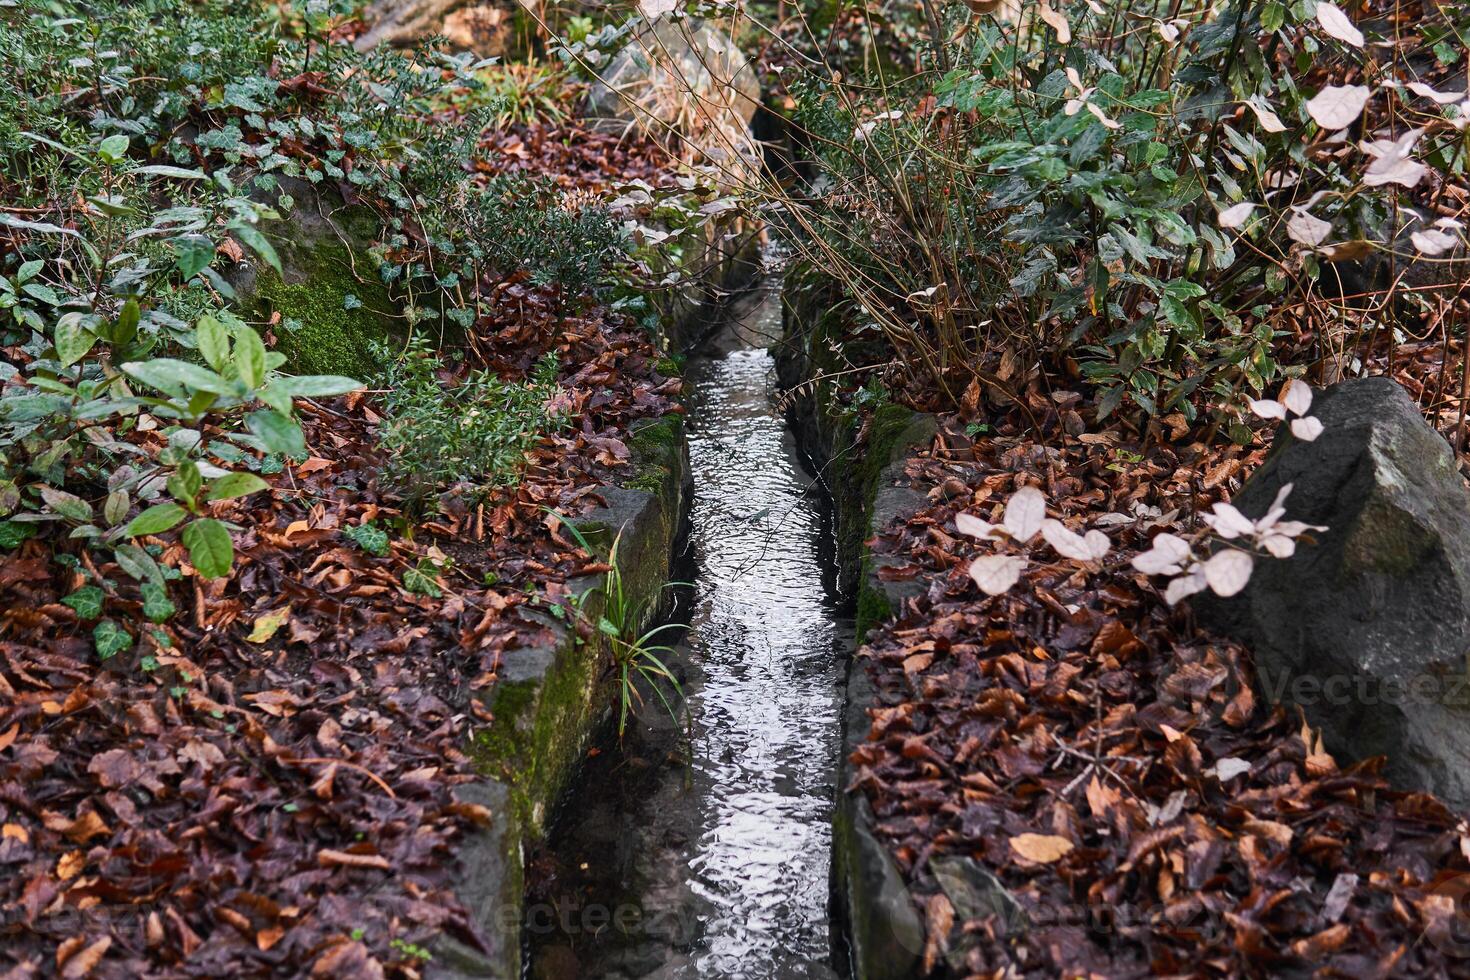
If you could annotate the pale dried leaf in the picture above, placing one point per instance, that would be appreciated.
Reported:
(1307, 228)
(1228, 571)
(1296, 395)
(995, 574)
(976, 528)
(1236, 215)
(1185, 585)
(1432, 241)
(1041, 848)
(1268, 408)
(1306, 429)
(1024, 513)
(1338, 106)
(1056, 20)
(1268, 119)
(1336, 24)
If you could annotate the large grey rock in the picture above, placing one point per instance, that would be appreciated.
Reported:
(684, 74)
(1368, 628)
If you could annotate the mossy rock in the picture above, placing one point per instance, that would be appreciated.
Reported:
(326, 268)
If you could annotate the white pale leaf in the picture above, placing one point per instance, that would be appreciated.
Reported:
(1167, 31)
(1024, 513)
(1074, 78)
(1228, 769)
(1168, 553)
(1295, 529)
(1279, 545)
(1056, 20)
(1394, 168)
(1229, 522)
(1098, 545)
(1433, 242)
(1276, 511)
(1306, 429)
(1228, 571)
(1065, 542)
(1429, 92)
(1236, 215)
(1269, 121)
(996, 573)
(1103, 117)
(1073, 107)
(1336, 23)
(1338, 106)
(975, 527)
(1268, 408)
(1185, 586)
(1296, 395)
(654, 9)
(1307, 228)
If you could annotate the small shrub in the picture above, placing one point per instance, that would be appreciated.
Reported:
(474, 432)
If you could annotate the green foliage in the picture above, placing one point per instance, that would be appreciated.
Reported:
(473, 432)
(370, 538)
(1028, 196)
(635, 655)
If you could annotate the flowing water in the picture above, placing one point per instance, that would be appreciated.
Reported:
(700, 848)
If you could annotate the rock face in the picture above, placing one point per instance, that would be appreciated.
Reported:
(487, 29)
(686, 74)
(332, 304)
(1367, 629)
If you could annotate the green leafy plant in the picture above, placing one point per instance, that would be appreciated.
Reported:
(472, 432)
(635, 655)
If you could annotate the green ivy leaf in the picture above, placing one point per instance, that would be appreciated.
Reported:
(368, 537)
(111, 639)
(155, 520)
(87, 601)
(420, 580)
(210, 549)
(192, 255)
(157, 606)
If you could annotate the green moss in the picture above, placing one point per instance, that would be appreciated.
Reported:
(331, 339)
(652, 479)
(670, 367)
(657, 437)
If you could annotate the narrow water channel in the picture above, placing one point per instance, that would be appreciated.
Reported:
(700, 848)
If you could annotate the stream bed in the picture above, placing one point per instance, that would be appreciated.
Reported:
(700, 847)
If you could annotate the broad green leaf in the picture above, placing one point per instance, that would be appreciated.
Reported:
(67, 505)
(116, 507)
(138, 563)
(28, 270)
(175, 377)
(155, 520)
(127, 322)
(316, 385)
(41, 292)
(250, 357)
(214, 342)
(178, 173)
(251, 236)
(114, 148)
(192, 255)
(210, 549)
(235, 485)
(278, 433)
(73, 340)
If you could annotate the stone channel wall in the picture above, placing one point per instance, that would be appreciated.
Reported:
(860, 464)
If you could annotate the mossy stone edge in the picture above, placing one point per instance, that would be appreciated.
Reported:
(885, 935)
